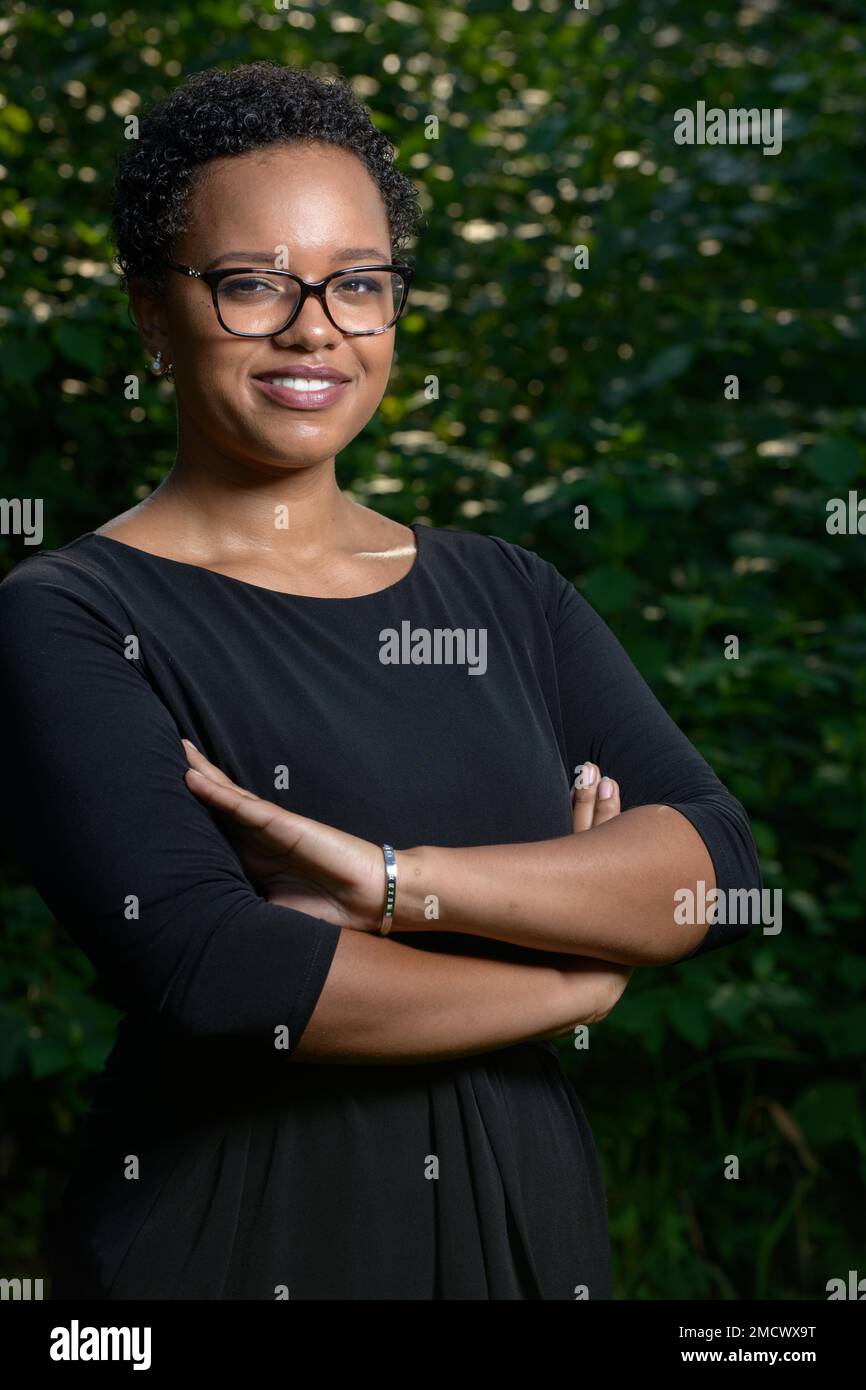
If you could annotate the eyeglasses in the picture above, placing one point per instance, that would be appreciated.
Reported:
(255, 303)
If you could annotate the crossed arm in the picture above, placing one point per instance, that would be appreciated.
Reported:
(396, 1004)
(607, 892)
(97, 806)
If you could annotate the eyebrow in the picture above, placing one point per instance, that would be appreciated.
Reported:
(346, 253)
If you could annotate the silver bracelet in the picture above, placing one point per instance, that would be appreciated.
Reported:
(390, 890)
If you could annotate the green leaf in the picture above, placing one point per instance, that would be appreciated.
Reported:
(84, 346)
(24, 359)
(609, 588)
(691, 1020)
(830, 1111)
(836, 462)
(47, 1057)
(667, 364)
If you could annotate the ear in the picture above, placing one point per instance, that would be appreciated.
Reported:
(150, 316)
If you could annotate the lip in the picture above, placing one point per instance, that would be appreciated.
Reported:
(333, 384)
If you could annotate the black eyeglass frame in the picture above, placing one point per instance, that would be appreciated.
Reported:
(316, 288)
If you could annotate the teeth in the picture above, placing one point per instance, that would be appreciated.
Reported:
(300, 383)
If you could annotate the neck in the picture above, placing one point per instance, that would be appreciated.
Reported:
(215, 505)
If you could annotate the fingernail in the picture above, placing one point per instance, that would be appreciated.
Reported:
(605, 789)
(186, 743)
(585, 775)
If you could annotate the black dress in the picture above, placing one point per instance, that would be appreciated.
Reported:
(213, 1167)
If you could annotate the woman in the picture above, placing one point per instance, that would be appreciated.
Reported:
(229, 704)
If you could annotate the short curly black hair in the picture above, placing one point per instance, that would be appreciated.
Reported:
(222, 112)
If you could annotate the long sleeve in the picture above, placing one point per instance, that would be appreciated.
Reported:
(125, 856)
(611, 717)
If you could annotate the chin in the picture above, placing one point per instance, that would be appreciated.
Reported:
(283, 455)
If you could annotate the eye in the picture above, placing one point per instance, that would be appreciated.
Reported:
(249, 287)
(358, 286)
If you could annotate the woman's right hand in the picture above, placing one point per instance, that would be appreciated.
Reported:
(594, 986)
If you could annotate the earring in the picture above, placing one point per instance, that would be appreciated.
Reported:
(157, 368)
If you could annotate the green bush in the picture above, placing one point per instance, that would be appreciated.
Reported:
(559, 387)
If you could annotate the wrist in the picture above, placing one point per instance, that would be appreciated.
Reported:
(415, 909)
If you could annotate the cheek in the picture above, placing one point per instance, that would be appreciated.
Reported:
(216, 365)
(212, 382)
(375, 369)
(214, 391)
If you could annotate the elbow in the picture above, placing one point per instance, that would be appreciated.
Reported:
(206, 1014)
(611, 992)
(183, 1016)
(732, 903)
(733, 912)
(190, 1025)
(257, 977)
(199, 1008)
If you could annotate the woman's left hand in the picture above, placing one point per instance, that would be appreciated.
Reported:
(294, 861)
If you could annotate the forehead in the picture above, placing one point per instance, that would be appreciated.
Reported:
(302, 196)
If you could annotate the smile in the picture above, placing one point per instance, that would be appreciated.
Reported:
(301, 393)
(296, 383)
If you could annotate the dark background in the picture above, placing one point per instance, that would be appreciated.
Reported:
(557, 386)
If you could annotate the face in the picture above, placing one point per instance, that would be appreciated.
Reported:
(308, 209)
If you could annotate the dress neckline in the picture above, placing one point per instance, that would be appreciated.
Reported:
(406, 580)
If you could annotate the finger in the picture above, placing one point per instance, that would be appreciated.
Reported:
(284, 829)
(241, 805)
(278, 829)
(607, 804)
(583, 796)
(202, 764)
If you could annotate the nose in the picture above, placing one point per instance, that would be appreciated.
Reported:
(311, 327)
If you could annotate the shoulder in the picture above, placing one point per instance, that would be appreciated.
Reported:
(56, 582)
(511, 568)
(492, 554)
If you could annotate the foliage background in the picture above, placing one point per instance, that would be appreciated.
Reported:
(558, 386)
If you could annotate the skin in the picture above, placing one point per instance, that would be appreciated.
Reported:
(239, 454)
(598, 902)
(381, 1004)
(607, 894)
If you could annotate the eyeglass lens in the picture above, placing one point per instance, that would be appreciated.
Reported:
(262, 302)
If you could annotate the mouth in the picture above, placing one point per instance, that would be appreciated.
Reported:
(303, 392)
